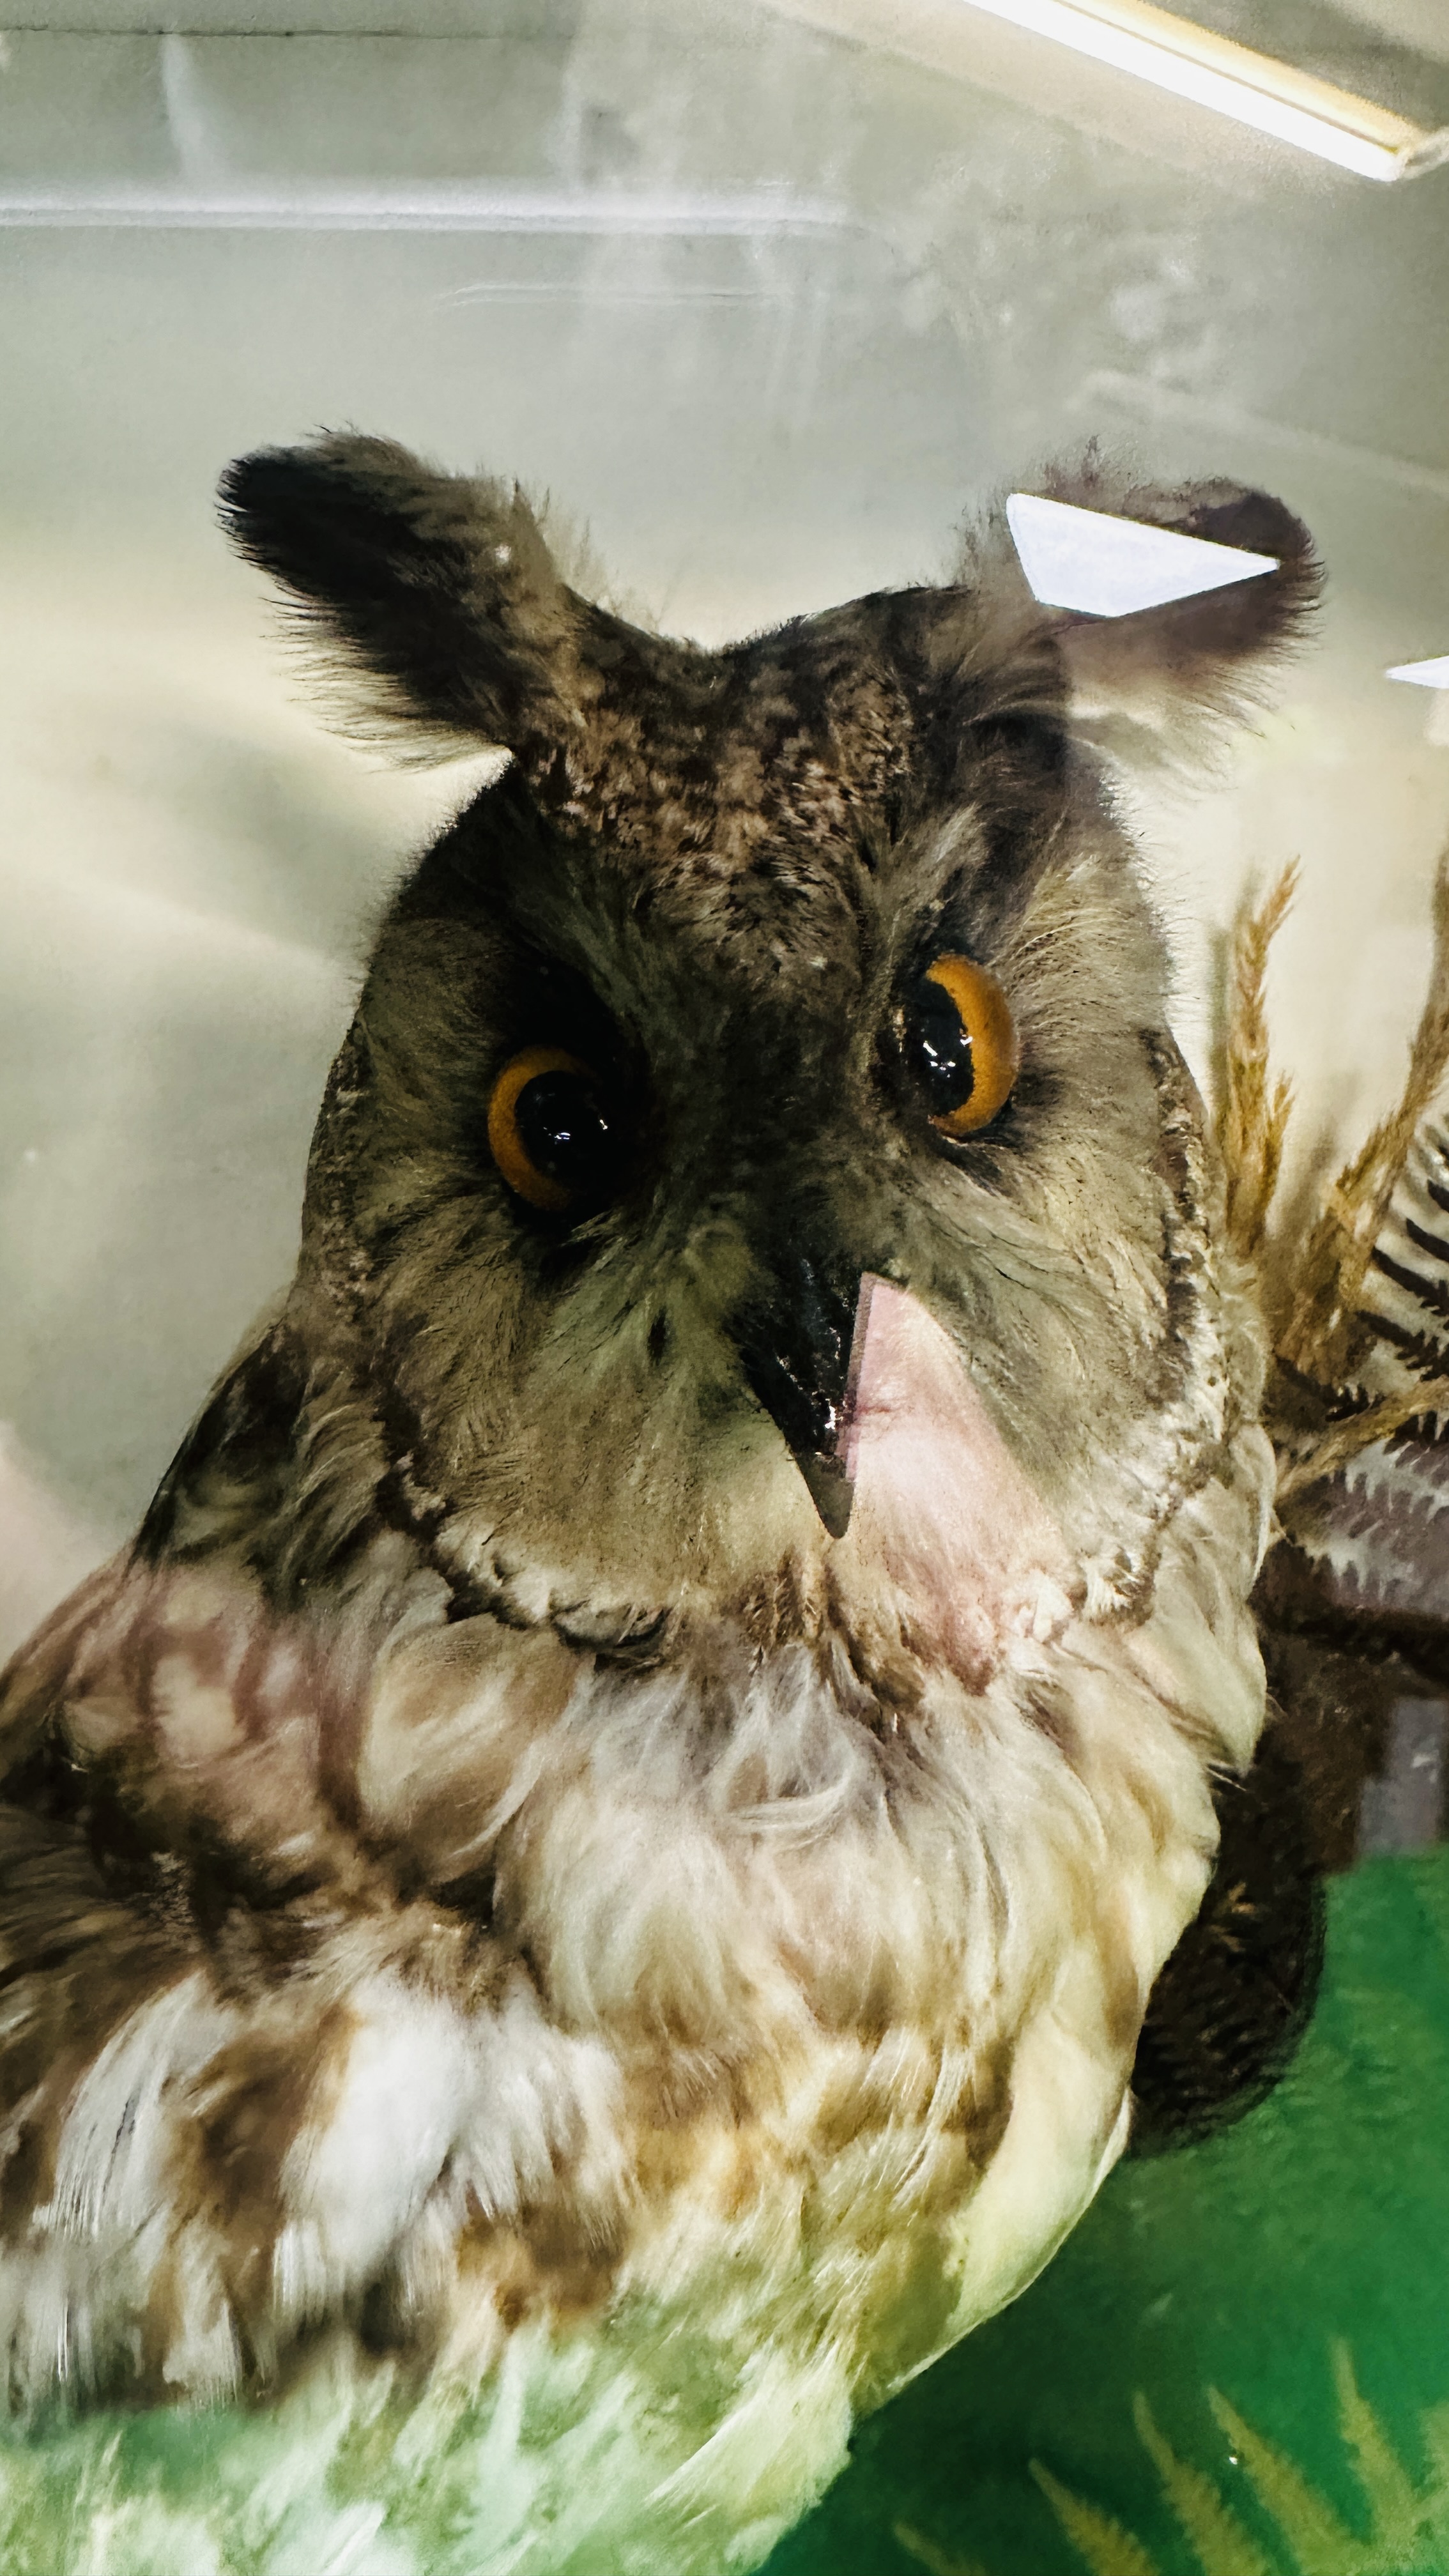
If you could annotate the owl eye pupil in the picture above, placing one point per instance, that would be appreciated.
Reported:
(565, 1132)
(959, 1043)
(939, 1048)
(553, 1131)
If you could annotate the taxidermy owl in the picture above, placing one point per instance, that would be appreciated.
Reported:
(603, 1856)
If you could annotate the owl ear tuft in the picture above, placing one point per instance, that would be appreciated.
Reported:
(442, 620)
(1166, 683)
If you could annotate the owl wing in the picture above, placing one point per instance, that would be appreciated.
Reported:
(1233, 2001)
(148, 2055)
(250, 2072)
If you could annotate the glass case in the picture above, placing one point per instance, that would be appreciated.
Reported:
(765, 300)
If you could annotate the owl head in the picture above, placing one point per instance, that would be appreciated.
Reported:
(766, 990)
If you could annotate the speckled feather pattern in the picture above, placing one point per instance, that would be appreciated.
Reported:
(495, 1897)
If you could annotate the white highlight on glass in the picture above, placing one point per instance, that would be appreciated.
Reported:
(1110, 567)
(1423, 675)
(421, 205)
(1234, 81)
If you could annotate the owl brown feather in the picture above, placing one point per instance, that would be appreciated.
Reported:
(629, 1797)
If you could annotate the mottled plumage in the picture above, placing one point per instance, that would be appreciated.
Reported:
(612, 1836)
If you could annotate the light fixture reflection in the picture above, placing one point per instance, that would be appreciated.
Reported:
(1432, 675)
(1422, 675)
(1109, 567)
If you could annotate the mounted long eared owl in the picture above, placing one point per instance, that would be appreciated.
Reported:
(602, 1860)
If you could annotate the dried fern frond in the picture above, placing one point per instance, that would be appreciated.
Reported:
(1321, 2541)
(1322, 1328)
(1108, 2549)
(1408, 2522)
(1343, 1439)
(1254, 1109)
(938, 2562)
(1398, 2509)
(1216, 2537)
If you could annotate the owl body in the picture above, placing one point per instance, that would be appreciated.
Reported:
(603, 1856)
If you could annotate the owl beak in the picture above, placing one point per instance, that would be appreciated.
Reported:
(796, 1351)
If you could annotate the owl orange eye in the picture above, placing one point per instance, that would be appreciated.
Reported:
(549, 1130)
(960, 1043)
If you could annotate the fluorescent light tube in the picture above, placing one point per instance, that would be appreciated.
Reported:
(1232, 80)
(1424, 675)
(1104, 566)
